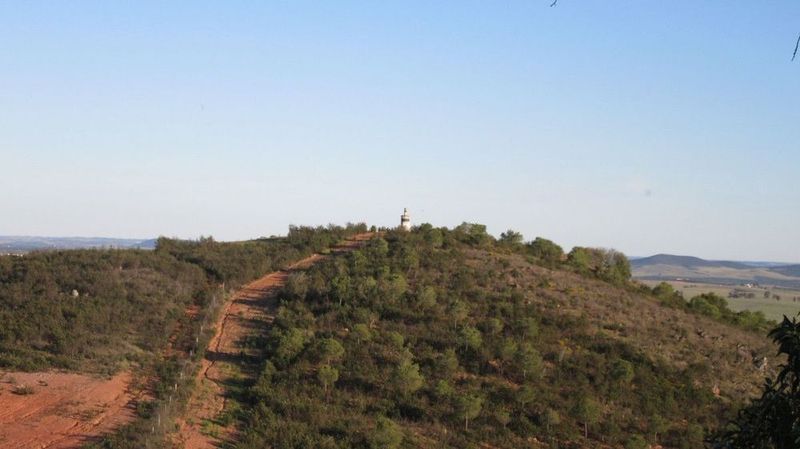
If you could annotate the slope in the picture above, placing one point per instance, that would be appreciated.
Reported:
(136, 315)
(436, 338)
(244, 317)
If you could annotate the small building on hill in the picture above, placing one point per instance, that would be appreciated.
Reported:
(405, 220)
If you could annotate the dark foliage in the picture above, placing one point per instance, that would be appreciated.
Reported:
(773, 420)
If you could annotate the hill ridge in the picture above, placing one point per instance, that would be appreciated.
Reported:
(674, 267)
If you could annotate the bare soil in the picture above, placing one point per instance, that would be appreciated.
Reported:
(53, 410)
(247, 313)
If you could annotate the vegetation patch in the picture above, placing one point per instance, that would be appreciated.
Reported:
(450, 338)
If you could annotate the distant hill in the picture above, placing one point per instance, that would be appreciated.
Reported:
(672, 267)
(686, 261)
(24, 244)
(788, 270)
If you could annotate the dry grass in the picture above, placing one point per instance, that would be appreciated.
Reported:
(678, 338)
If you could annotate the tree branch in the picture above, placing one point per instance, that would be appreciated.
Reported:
(795, 47)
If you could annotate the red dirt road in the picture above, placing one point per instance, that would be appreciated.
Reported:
(64, 411)
(243, 315)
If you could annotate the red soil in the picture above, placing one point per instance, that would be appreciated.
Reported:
(68, 410)
(250, 307)
(64, 410)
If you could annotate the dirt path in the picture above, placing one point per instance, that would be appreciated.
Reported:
(243, 316)
(63, 411)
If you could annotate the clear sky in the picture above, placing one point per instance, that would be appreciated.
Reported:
(646, 126)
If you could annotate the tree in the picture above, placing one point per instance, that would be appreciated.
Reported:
(616, 267)
(443, 389)
(492, 326)
(290, 343)
(341, 287)
(469, 407)
(447, 363)
(506, 350)
(377, 249)
(406, 377)
(657, 426)
(580, 259)
(358, 262)
(528, 361)
(394, 287)
(606, 264)
(668, 296)
(525, 395)
(472, 338)
(433, 236)
(330, 350)
(546, 251)
(327, 376)
(511, 238)
(550, 418)
(528, 327)
(588, 412)
(297, 285)
(426, 297)
(773, 420)
(710, 304)
(361, 333)
(395, 339)
(387, 434)
(502, 416)
(472, 234)
(663, 290)
(458, 311)
(636, 442)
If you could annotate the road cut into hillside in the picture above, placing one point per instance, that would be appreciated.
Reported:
(247, 313)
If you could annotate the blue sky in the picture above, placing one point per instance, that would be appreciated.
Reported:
(645, 126)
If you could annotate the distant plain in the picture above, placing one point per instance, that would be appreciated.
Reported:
(773, 309)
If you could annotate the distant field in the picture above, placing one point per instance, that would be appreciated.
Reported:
(771, 307)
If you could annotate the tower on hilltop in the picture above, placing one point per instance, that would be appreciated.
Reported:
(405, 220)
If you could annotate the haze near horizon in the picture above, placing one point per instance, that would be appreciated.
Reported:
(648, 127)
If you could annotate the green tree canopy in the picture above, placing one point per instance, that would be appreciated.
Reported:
(550, 418)
(327, 376)
(472, 338)
(528, 361)
(387, 434)
(297, 285)
(588, 411)
(406, 378)
(330, 350)
(511, 238)
(469, 407)
(546, 251)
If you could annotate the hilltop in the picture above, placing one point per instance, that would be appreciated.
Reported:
(449, 338)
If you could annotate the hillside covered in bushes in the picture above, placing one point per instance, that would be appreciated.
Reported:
(451, 338)
(100, 310)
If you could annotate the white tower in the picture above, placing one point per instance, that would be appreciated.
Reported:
(405, 221)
